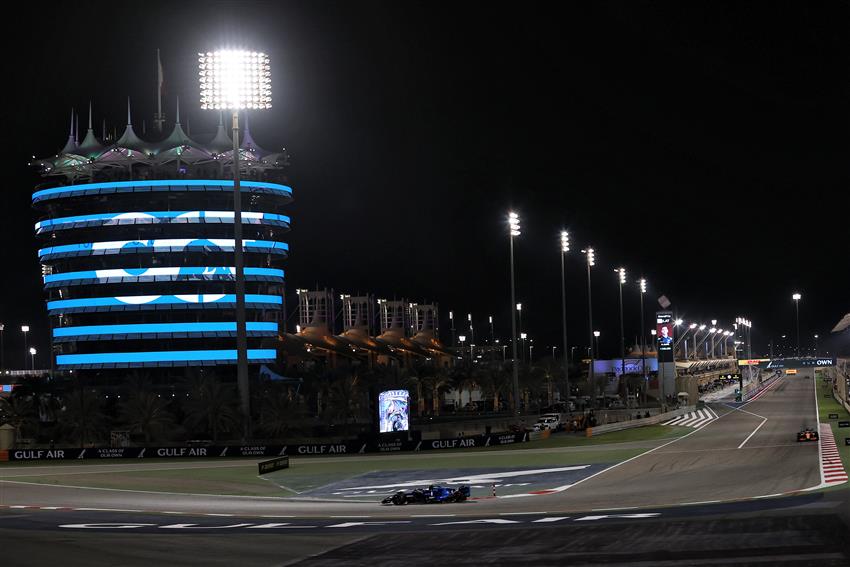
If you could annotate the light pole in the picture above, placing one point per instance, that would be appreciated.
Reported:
(530, 351)
(591, 261)
(513, 220)
(235, 80)
(621, 272)
(492, 334)
(25, 329)
(796, 297)
(462, 339)
(32, 356)
(519, 314)
(816, 345)
(2, 347)
(452, 323)
(596, 335)
(642, 283)
(565, 247)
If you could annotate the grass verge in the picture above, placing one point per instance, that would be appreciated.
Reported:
(306, 473)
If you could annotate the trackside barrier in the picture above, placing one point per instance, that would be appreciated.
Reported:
(342, 448)
(761, 388)
(621, 425)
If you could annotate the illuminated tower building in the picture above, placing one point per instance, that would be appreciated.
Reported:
(136, 246)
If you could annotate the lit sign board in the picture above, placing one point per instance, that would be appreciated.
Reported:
(394, 411)
(665, 335)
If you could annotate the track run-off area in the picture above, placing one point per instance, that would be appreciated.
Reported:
(744, 460)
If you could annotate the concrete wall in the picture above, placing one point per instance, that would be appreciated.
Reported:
(653, 420)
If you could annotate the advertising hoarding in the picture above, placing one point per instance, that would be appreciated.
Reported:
(394, 411)
(665, 335)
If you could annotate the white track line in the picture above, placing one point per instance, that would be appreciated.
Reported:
(640, 455)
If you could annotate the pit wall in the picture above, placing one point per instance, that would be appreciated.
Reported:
(653, 420)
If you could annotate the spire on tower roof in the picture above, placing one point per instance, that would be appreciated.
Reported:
(248, 142)
(70, 145)
(90, 147)
(221, 142)
(129, 139)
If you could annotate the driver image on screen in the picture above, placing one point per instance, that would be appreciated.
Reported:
(665, 338)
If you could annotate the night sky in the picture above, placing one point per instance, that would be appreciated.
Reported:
(704, 146)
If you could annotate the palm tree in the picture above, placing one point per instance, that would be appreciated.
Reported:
(438, 384)
(415, 380)
(18, 412)
(280, 408)
(82, 415)
(496, 383)
(343, 395)
(210, 405)
(145, 412)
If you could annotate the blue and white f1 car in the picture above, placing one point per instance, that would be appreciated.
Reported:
(434, 494)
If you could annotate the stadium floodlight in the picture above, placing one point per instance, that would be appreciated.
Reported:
(591, 257)
(234, 80)
(693, 326)
(565, 241)
(513, 221)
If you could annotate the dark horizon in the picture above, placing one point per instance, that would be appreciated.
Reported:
(704, 148)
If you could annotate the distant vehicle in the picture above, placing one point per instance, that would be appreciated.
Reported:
(791, 371)
(555, 416)
(808, 434)
(434, 494)
(545, 424)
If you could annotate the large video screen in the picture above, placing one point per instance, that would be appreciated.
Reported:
(394, 410)
(664, 330)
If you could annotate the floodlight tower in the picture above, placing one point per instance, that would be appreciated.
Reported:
(514, 225)
(621, 273)
(234, 79)
(565, 247)
(591, 261)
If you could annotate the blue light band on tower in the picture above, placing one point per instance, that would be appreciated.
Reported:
(159, 185)
(134, 275)
(153, 217)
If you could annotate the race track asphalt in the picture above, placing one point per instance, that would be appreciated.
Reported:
(707, 465)
(729, 468)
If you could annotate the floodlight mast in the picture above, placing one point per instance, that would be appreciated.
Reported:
(234, 80)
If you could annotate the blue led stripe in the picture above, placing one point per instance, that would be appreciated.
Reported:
(129, 275)
(161, 245)
(159, 216)
(150, 301)
(159, 328)
(257, 355)
(153, 185)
